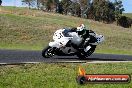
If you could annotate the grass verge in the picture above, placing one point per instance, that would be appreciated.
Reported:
(58, 75)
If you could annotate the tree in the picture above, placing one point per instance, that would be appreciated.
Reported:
(48, 5)
(0, 2)
(60, 8)
(51, 5)
(90, 12)
(124, 21)
(41, 4)
(38, 4)
(111, 12)
(30, 3)
(75, 9)
(118, 9)
(103, 11)
(67, 6)
(83, 6)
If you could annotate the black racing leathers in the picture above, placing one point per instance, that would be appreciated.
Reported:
(85, 38)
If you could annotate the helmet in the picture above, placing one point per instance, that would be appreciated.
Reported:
(81, 29)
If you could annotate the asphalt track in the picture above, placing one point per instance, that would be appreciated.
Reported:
(21, 56)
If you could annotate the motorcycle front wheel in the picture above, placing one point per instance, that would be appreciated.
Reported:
(47, 52)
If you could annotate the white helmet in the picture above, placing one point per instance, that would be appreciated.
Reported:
(81, 29)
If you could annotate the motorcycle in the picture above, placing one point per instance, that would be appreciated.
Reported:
(60, 46)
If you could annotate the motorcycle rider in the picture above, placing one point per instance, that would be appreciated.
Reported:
(84, 34)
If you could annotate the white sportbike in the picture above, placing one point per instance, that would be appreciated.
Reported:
(61, 46)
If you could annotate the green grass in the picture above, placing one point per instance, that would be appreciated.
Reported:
(21, 28)
(58, 75)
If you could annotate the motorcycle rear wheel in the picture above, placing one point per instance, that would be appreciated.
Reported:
(90, 52)
(47, 52)
(83, 56)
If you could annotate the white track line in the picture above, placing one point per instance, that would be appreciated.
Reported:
(94, 62)
(42, 62)
(109, 62)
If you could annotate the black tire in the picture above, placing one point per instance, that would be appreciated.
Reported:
(47, 52)
(84, 56)
(91, 50)
(81, 80)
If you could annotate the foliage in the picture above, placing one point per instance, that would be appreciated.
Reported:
(67, 5)
(0, 2)
(59, 8)
(99, 10)
(30, 3)
(102, 10)
(118, 9)
(124, 21)
(40, 4)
